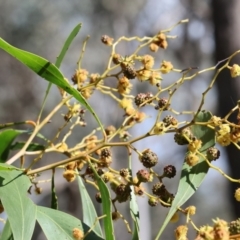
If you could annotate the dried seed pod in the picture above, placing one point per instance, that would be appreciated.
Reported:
(128, 70)
(169, 171)
(153, 202)
(107, 40)
(148, 158)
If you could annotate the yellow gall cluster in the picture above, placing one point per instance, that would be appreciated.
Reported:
(144, 75)
(224, 128)
(148, 61)
(117, 58)
(237, 194)
(126, 103)
(91, 142)
(215, 121)
(107, 40)
(223, 135)
(181, 232)
(153, 47)
(108, 177)
(124, 86)
(130, 111)
(163, 44)
(94, 77)
(161, 37)
(110, 130)
(69, 175)
(159, 128)
(191, 210)
(221, 229)
(77, 234)
(160, 41)
(166, 67)
(80, 76)
(71, 165)
(235, 70)
(80, 165)
(224, 140)
(124, 135)
(194, 145)
(87, 92)
(63, 147)
(155, 78)
(73, 111)
(205, 232)
(191, 159)
(139, 117)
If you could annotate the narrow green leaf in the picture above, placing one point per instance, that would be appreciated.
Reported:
(6, 167)
(32, 146)
(134, 208)
(59, 60)
(106, 206)
(11, 124)
(48, 71)
(192, 177)
(21, 211)
(8, 136)
(39, 135)
(66, 45)
(58, 225)
(135, 215)
(89, 212)
(54, 200)
(7, 232)
(38, 64)
(6, 139)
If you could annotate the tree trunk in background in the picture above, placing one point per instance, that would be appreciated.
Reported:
(226, 20)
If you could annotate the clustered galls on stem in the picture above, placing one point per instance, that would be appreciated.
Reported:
(94, 156)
